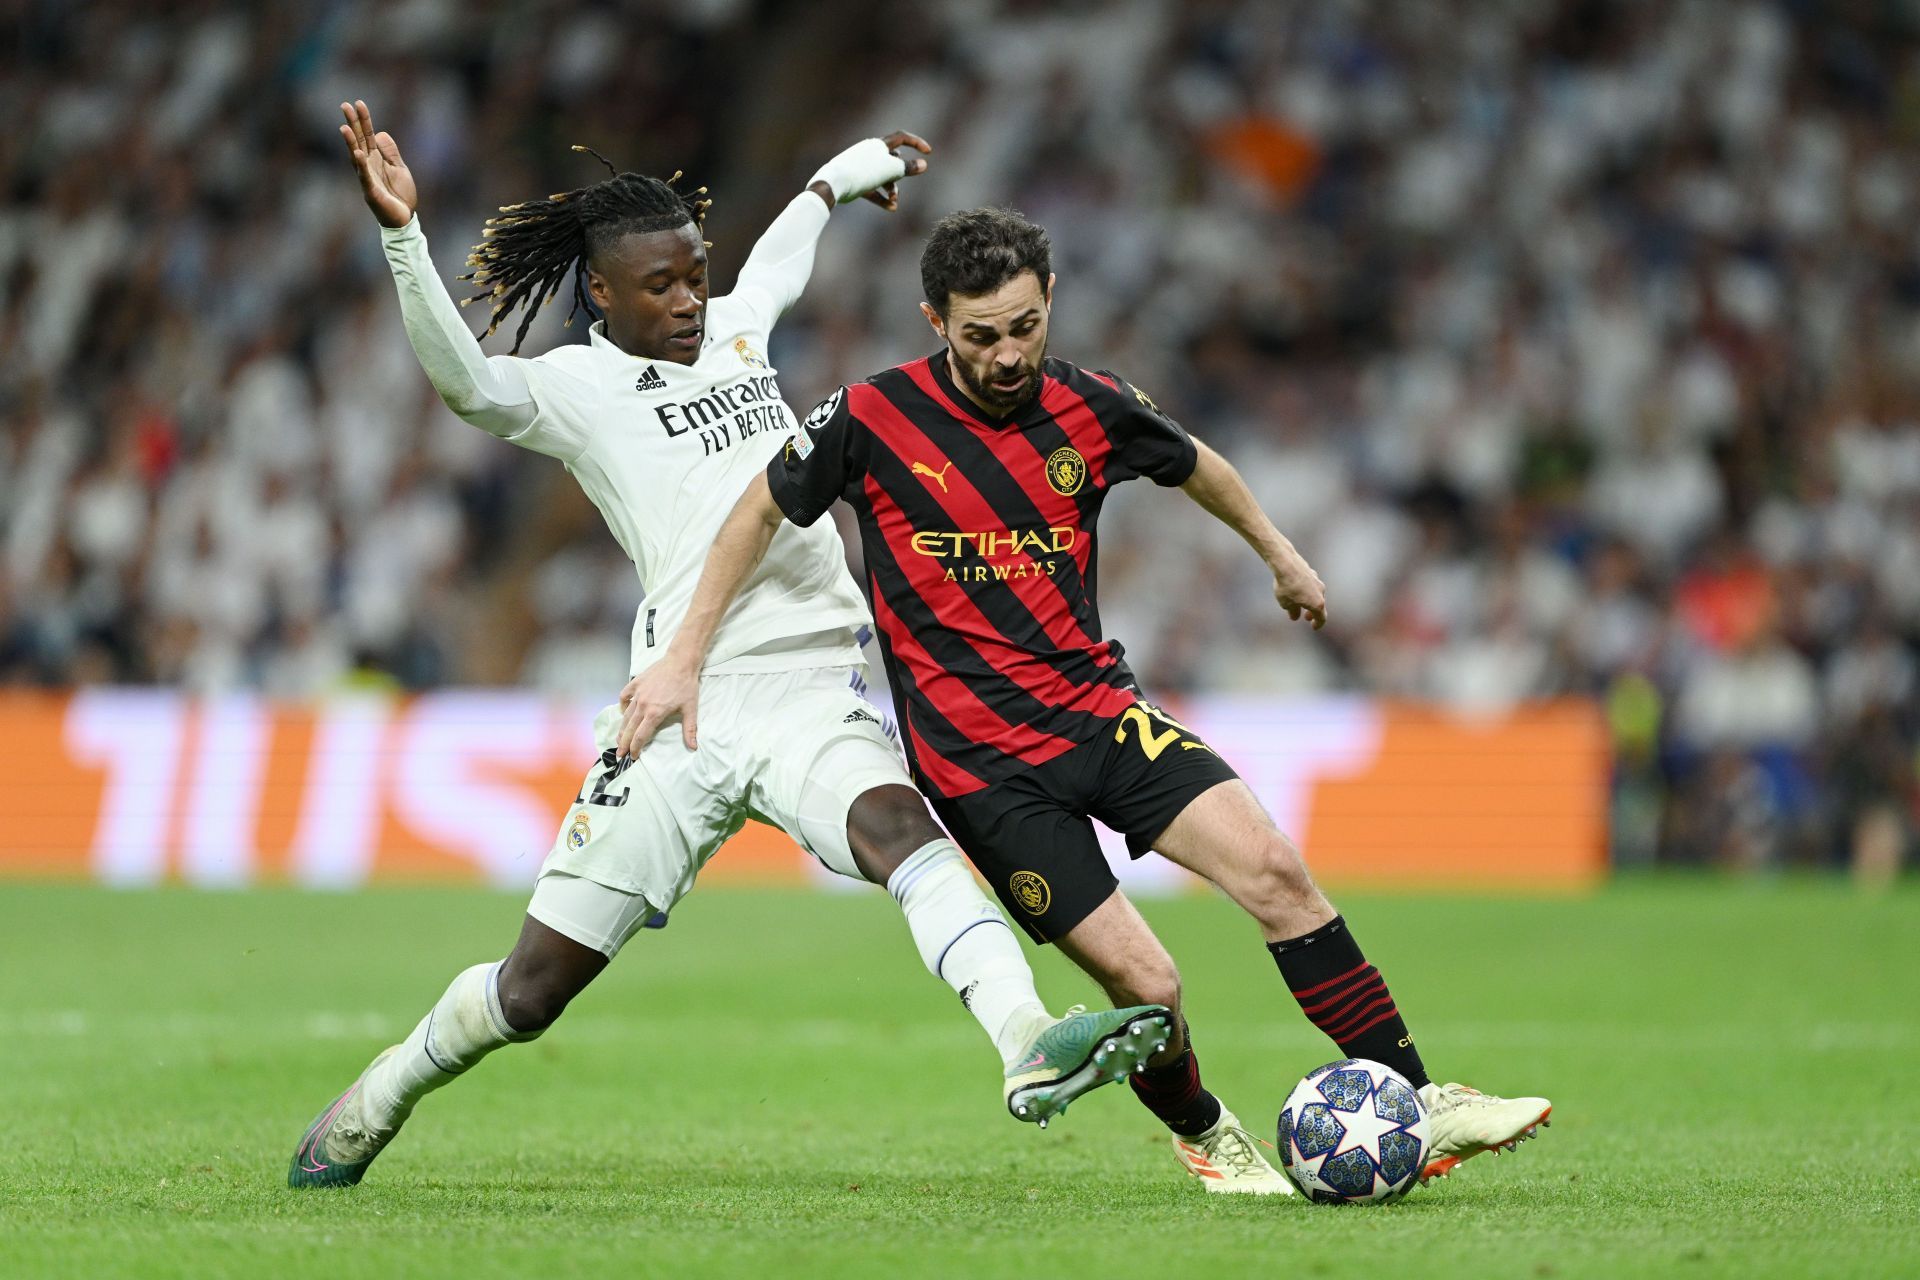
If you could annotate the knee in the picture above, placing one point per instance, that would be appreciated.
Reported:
(885, 827)
(531, 1002)
(1277, 886)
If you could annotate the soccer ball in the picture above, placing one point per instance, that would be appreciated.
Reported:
(1353, 1132)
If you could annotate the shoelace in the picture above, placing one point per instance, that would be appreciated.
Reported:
(1235, 1147)
(1451, 1096)
(351, 1133)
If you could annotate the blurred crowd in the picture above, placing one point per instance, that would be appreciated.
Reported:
(1577, 344)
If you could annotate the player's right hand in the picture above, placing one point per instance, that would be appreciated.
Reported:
(385, 179)
(663, 692)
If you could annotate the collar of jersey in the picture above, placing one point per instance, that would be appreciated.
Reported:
(597, 336)
(1029, 413)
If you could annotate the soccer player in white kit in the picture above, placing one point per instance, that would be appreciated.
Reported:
(663, 416)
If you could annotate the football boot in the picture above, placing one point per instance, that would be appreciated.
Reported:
(1227, 1160)
(1462, 1122)
(1078, 1054)
(339, 1145)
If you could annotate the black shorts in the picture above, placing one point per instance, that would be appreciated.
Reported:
(1031, 837)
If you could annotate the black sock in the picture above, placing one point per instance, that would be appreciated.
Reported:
(1347, 998)
(1175, 1094)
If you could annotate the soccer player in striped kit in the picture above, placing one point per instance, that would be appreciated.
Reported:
(977, 475)
(662, 416)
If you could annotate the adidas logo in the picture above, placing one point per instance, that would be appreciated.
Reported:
(854, 717)
(966, 996)
(651, 381)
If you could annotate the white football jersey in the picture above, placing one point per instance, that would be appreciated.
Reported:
(665, 450)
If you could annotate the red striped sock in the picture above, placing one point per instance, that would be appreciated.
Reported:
(1347, 998)
(1174, 1093)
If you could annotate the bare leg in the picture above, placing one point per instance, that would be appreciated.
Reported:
(886, 826)
(1226, 836)
(1116, 949)
(543, 973)
(486, 1006)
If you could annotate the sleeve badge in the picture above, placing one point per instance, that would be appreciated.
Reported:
(824, 411)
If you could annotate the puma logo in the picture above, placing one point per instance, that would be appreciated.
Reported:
(922, 469)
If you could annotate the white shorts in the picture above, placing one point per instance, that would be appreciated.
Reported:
(794, 749)
(592, 914)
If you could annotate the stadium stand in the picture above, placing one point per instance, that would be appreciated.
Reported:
(1576, 344)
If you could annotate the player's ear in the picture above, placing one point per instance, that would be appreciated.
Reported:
(1046, 295)
(598, 290)
(933, 318)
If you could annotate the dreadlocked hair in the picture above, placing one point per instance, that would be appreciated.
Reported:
(528, 252)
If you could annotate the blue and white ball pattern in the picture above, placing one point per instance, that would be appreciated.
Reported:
(1353, 1132)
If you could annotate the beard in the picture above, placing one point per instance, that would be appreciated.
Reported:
(1002, 402)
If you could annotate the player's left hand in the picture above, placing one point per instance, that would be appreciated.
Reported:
(888, 197)
(869, 170)
(1299, 589)
(665, 691)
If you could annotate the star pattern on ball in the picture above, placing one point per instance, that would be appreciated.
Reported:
(1365, 1128)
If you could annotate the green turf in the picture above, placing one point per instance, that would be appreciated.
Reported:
(775, 1086)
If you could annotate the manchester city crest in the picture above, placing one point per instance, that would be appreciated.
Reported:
(1066, 470)
(1030, 890)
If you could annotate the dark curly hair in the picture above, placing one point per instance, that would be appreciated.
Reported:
(976, 251)
(531, 248)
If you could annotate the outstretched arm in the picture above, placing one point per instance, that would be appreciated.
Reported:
(782, 259)
(671, 686)
(491, 393)
(1218, 487)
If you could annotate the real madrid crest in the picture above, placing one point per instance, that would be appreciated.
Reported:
(748, 355)
(1066, 470)
(579, 833)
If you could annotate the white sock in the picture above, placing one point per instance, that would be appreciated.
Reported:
(464, 1027)
(966, 942)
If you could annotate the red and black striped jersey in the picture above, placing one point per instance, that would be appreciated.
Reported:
(981, 556)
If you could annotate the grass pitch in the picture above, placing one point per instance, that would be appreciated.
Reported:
(775, 1086)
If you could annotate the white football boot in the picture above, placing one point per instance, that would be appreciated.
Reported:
(1463, 1122)
(1227, 1160)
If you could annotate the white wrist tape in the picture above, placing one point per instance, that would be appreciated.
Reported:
(862, 167)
